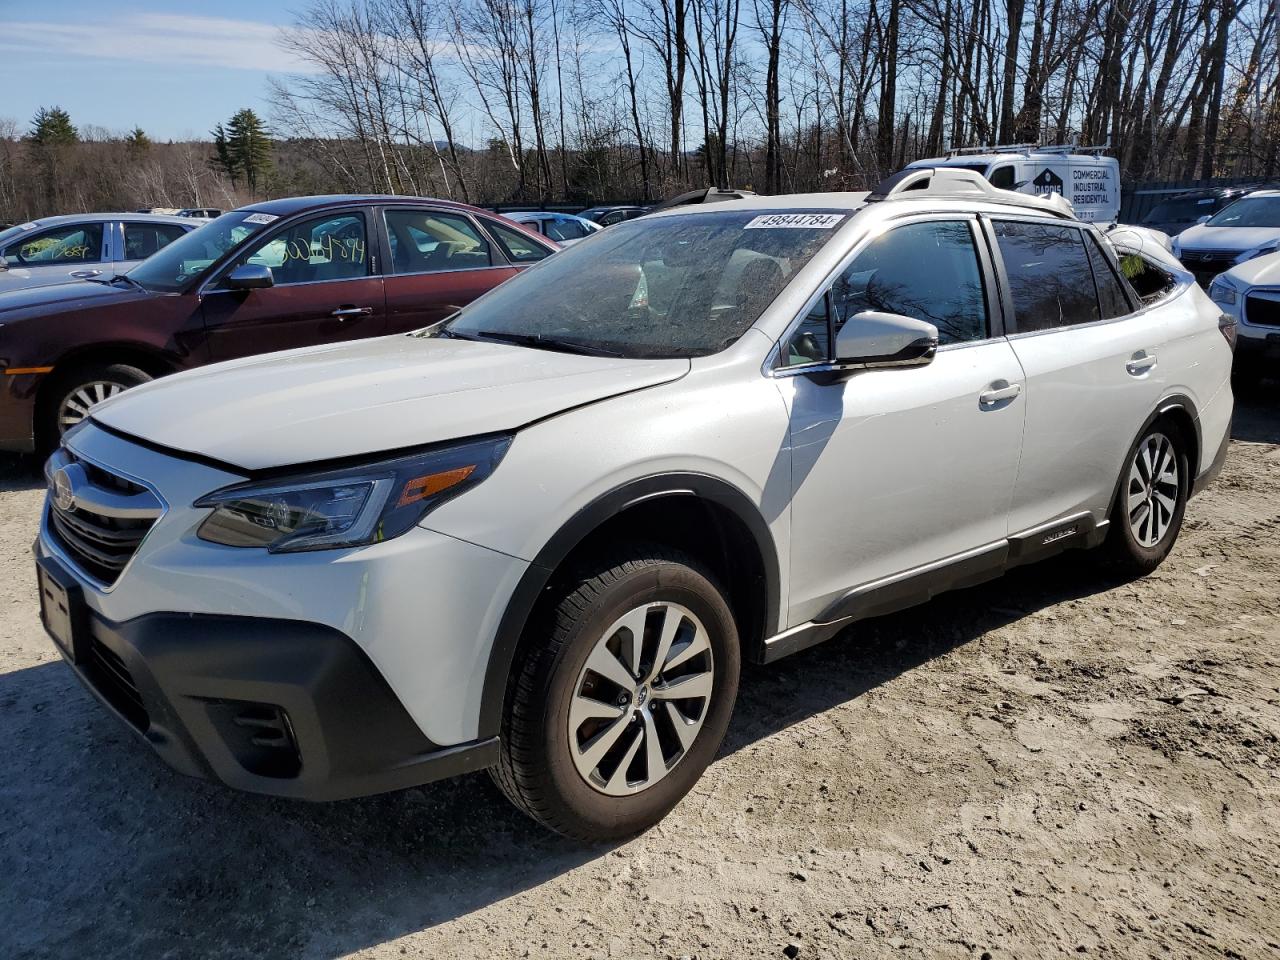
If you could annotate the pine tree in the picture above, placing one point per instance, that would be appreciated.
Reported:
(138, 140)
(52, 127)
(222, 160)
(248, 146)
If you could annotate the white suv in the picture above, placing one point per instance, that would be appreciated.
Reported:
(541, 536)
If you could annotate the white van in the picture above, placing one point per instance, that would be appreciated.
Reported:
(1090, 181)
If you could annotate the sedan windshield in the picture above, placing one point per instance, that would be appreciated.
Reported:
(678, 286)
(1250, 212)
(174, 266)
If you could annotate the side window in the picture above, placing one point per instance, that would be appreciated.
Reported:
(609, 219)
(1002, 177)
(75, 243)
(558, 229)
(518, 247)
(811, 341)
(1049, 275)
(425, 241)
(326, 248)
(926, 270)
(141, 240)
(1111, 295)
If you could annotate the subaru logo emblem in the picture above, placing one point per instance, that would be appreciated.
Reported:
(64, 497)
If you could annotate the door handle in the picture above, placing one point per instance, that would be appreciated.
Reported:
(1140, 363)
(85, 274)
(345, 312)
(997, 393)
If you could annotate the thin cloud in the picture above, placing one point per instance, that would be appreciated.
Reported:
(171, 39)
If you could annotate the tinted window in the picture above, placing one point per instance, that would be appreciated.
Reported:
(1002, 177)
(326, 248)
(1049, 275)
(928, 271)
(1111, 294)
(141, 240)
(75, 243)
(423, 241)
(1183, 210)
(558, 229)
(811, 342)
(518, 247)
(679, 286)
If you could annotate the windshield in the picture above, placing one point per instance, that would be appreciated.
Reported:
(1181, 211)
(1250, 212)
(678, 286)
(174, 266)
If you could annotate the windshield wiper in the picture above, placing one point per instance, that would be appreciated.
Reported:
(127, 279)
(542, 342)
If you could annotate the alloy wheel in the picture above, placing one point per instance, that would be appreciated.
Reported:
(76, 405)
(1151, 497)
(641, 698)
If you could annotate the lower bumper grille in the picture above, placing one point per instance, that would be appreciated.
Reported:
(114, 681)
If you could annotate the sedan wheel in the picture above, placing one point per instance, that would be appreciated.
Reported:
(77, 404)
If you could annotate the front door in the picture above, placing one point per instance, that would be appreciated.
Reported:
(896, 469)
(325, 290)
(437, 263)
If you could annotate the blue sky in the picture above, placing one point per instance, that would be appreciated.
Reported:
(173, 69)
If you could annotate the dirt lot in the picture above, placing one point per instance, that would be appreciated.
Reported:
(1051, 764)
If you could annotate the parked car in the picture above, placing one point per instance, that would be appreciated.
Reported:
(1088, 180)
(270, 276)
(1248, 228)
(82, 246)
(565, 229)
(1250, 293)
(702, 195)
(1185, 209)
(542, 535)
(608, 216)
(201, 213)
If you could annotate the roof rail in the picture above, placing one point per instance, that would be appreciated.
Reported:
(957, 183)
(1060, 148)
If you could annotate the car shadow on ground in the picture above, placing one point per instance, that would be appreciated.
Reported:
(1257, 412)
(98, 827)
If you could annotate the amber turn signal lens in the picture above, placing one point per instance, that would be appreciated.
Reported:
(423, 488)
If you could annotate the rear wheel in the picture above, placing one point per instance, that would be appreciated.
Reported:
(623, 696)
(73, 394)
(1147, 514)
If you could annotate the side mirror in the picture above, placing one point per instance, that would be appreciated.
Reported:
(4, 264)
(872, 339)
(250, 276)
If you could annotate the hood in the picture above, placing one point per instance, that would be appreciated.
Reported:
(72, 295)
(367, 397)
(1261, 271)
(1204, 237)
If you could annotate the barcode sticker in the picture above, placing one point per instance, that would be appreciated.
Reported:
(261, 218)
(795, 221)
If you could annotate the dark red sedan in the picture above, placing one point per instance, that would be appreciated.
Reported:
(271, 276)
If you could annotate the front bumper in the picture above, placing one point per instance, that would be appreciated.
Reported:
(281, 707)
(1257, 347)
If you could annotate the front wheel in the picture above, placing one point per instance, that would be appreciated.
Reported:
(623, 696)
(1147, 514)
(75, 393)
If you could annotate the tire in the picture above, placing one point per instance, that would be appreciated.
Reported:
(97, 380)
(1146, 518)
(559, 782)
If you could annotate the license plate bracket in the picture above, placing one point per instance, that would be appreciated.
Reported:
(62, 608)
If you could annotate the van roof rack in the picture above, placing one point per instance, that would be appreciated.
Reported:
(1027, 148)
(957, 183)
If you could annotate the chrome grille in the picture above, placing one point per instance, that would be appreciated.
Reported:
(96, 516)
(1207, 264)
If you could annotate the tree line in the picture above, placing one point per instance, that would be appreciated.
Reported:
(535, 101)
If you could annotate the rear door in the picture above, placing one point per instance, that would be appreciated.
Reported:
(326, 289)
(140, 239)
(1091, 362)
(437, 261)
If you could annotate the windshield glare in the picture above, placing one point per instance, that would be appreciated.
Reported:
(680, 286)
(1250, 212)
(174, 266)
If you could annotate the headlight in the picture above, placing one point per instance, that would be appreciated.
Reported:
(1222, 292)
(1271, 246)
(346, 507)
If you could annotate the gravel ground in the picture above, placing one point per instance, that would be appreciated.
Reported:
(1050, 764)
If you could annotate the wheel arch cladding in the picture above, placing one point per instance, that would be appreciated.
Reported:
(724, 527)
(1181, 411)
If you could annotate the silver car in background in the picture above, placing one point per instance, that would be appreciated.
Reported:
(564, 228)
(82, 246)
